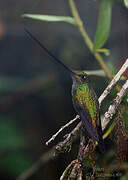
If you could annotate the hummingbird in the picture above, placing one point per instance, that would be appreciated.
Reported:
(84, 99)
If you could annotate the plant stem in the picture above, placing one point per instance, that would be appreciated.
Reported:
(87, 39)
(61, 129)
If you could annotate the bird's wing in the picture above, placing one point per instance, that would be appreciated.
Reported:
(86, 119)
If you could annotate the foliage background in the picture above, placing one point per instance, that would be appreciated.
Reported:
(35, 98)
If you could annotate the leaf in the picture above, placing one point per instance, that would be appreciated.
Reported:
(104, 50)
(126, 3)
(96, 72)
(104, 23)
(50, 18)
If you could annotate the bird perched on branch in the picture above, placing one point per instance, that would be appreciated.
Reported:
(84, 99)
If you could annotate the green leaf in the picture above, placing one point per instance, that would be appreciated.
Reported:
(96, 72)
(104, 50)
(104, 23)
(52, 18)
(126, 3)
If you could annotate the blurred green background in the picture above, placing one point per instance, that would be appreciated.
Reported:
(35, 93)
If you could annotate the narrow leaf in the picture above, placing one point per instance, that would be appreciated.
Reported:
(96, 72)
(104, 23)
(52, 18)
(104, 50)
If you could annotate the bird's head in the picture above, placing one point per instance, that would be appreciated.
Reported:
(80, 77)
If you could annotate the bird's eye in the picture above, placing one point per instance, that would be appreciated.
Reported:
(83, 77)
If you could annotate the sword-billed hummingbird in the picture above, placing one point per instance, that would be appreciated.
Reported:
(84, 99)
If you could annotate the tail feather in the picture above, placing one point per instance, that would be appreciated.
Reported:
(101, 145)
(101, 141)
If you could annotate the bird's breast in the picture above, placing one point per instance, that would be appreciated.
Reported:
(84, 97)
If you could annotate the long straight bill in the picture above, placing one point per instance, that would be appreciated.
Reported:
(48, 52)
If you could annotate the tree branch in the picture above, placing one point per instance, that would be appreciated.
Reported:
(113, 107)
(69, 138)
(68, 170)
(61, 129)
(114, 81)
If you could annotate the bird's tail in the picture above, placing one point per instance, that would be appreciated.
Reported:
(101, 145)
(101, 141)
